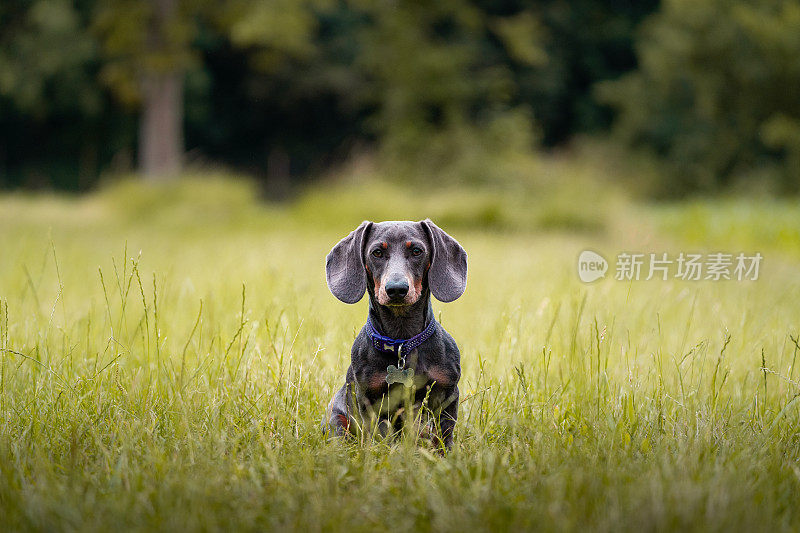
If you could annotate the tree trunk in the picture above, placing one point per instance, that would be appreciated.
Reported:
(161, 127)
(278, 183)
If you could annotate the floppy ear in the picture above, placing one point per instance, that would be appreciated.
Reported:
(447, 275)
(344, 266)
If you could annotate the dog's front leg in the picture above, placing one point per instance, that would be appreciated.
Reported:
(367, 418)
(351, 413)
(338, 420)
(448, 415)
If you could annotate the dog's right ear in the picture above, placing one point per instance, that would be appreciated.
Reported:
(344, 266)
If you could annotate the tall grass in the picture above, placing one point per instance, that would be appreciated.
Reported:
(167, 356)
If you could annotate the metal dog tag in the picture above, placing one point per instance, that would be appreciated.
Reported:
(395, 375)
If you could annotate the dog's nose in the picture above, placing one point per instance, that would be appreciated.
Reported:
(397, 289)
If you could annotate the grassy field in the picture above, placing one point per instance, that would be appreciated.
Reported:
(168, 353)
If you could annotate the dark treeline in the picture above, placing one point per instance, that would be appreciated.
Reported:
(288, 88)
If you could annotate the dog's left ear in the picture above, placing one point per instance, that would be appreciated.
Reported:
(344, 266)
(447, 275)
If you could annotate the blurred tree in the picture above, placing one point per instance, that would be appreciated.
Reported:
(577, 44)
(272, 96)
(441, 97)
(52, 113)
(39, 43)
(414, 80)
(590, 41)
(147, 51)
(150, 47)
(284, 87)
(716, 93)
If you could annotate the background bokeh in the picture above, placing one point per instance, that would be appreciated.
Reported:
(696, 97)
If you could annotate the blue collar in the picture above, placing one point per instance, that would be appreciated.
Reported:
(399, 347)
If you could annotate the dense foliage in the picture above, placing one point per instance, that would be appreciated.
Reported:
(716, 93)
(449, 88)
(304, 81)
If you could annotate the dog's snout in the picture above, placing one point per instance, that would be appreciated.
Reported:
(397, 289)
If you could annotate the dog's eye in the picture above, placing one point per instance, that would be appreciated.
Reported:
(416, 251)
(377, 252)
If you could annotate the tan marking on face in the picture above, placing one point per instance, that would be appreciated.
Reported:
(380, 291)
(408, 244)
(414, 291)
(384, 245)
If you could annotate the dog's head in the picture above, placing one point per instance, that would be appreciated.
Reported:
(397, 262)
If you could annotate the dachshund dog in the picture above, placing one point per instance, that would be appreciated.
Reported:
(404, 366)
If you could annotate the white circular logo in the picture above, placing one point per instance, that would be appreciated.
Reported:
(591, 266)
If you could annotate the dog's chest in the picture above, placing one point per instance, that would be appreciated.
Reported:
(397, 397)
(414, 370)
(390, 388)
